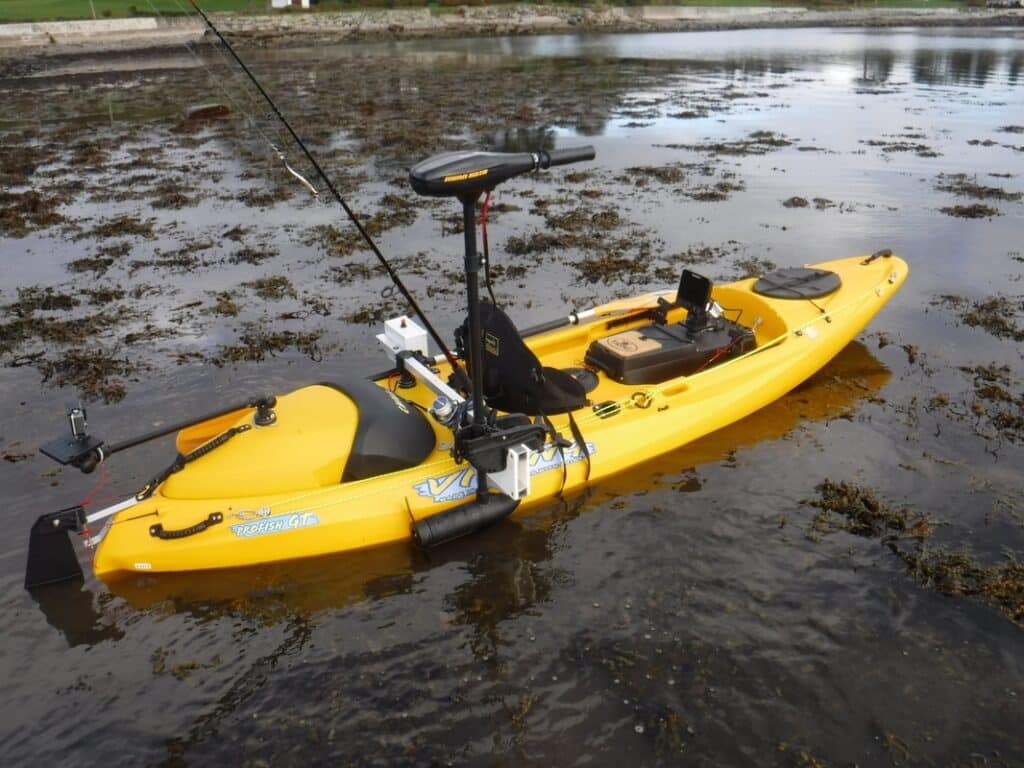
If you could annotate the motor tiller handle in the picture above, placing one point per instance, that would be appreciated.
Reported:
(566, 156)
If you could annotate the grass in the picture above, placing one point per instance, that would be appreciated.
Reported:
(62, 10)
(59, 10)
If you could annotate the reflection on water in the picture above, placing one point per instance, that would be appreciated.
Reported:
(72, 610)
(945, 57)
(521, 139)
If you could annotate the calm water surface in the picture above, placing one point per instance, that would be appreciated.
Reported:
(684, 613)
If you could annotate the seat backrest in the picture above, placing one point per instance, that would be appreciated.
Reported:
(514, 380)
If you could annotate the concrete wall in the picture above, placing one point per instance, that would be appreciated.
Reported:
(143, 28)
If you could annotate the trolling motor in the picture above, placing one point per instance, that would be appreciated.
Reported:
(51, 556)
(497, 447)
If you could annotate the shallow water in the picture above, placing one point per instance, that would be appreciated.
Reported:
(687, 611)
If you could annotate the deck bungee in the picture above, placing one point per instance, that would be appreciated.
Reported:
(440, 447)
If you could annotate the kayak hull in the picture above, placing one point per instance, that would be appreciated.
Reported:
(259, 523)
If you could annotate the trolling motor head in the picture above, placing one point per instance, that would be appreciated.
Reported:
(79, 449)
(466, 174)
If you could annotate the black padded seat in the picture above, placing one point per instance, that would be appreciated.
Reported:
(392, 433)
(514, 380)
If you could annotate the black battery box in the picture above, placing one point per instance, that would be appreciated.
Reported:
(659, 352)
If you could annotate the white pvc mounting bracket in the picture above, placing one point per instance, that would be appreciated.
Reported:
(514, 479)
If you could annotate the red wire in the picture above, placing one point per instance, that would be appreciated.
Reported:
(90, 498)
(483, 219)
(718, 353)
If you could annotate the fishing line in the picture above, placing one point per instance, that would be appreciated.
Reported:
(335, 193)
(252, 121)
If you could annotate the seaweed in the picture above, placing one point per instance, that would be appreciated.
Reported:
(964, 186)
(995, 314)
(973, 211)
(252, 256)
(224, 305)
(858, 510)
(257, 344)
(97, 374)
(757, 143)
(272, 288)
(611, 266)
(889, 146)
(25, 212)
(121, 226)
(640, 175)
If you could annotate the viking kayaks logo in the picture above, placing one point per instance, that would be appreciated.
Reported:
(461, 483)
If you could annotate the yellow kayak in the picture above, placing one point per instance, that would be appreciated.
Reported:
(347, 466)
(315, 583)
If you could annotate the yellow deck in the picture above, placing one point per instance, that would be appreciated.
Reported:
(297, 512)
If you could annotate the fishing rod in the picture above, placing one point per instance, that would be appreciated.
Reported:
(334, 192)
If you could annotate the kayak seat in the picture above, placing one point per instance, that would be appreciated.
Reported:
(391, 434)
(324, 434)
(514, 380)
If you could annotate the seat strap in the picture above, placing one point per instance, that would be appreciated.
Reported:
(578, 437)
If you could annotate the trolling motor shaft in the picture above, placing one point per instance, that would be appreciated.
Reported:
(489, 444)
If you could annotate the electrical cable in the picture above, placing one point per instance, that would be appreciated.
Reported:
(487, 253)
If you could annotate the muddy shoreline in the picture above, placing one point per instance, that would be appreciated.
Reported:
(301, 29)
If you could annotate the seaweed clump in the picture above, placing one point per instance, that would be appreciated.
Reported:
(996, 314)
(28, 211)
(757, 143)
(853, 508)
(858, 510)
(97, 374)
(124, 225)
(257, 344)
(964, 186)
(973, 211)
(955, 574)
(995, 402)
(272, 288)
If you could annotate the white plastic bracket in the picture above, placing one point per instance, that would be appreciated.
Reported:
(514, 480)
